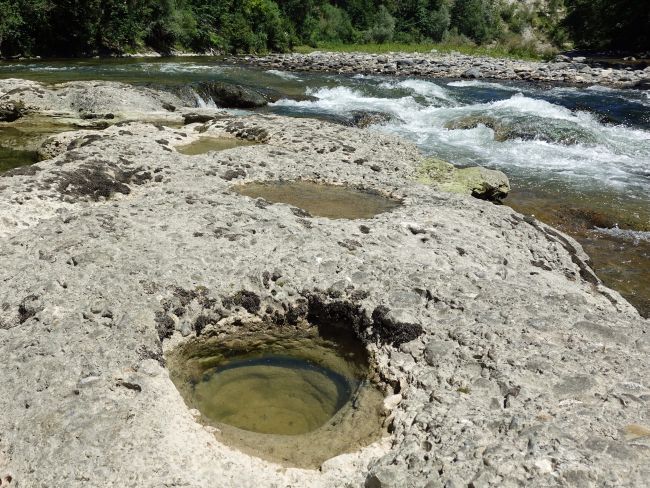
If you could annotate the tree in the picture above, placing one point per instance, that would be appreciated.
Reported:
(619, 24)
(383, 27)
(475, 19)
(11, 23)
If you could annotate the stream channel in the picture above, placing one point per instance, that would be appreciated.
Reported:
(577, 158)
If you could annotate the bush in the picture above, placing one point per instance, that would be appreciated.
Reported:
(438, 23)
(383, 28)
(475, 19)
(334, 25)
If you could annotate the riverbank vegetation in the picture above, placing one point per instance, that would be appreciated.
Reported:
(106, 27)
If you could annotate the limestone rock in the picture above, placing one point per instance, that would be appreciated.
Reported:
(231, 96)
(11, 111)
(111, 250)
(479, 182)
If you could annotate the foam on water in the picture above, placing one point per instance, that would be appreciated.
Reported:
(611, 155)
(283, 74)
(482, 84)
(341, 100)
(426, 89)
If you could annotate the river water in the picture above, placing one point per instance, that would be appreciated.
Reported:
(578, 158)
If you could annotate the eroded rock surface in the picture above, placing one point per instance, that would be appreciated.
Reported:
(88, 100)
(509, 364)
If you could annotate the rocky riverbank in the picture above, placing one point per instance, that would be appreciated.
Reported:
(505, 360)
(437, 65)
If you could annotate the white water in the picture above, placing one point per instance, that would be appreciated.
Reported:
(285, 75)
(606, 156)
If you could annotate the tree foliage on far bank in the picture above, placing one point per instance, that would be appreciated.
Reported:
(90, 27)
(609, 24)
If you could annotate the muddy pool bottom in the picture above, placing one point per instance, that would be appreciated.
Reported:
(321, 200)
(206, 144)
(294, 397)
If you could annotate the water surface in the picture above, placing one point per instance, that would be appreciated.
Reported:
(207, 144)
(272, 395)
(322, 200)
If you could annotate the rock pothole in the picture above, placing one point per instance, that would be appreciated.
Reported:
(321, 199)
(297, 395)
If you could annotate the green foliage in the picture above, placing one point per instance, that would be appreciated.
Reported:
(334, 25)
(475, 19)
(11, 23)
(383, 27)
(620, 24)
(89, 27)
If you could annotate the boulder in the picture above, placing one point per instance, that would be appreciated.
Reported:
(363, 119)
(479, 182)
(527, 128)
(472, 73)
(226, 95)
(483, 183)
(11, 111)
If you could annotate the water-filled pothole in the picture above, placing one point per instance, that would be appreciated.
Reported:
(291, 396)
(322, 200)
(207, 144)
(272, 394)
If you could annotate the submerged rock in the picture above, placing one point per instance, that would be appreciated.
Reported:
(363, 119)
(526, 128)
(11, 111)
(479, 182)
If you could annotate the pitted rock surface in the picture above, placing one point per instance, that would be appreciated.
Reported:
(509, 365)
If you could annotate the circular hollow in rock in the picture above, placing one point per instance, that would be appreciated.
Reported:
(291, 396)
(320, 199)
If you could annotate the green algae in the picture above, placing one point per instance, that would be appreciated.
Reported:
(476, 181)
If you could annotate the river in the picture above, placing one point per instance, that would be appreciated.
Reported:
(577, 158)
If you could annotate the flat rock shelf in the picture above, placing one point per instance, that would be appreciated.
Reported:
(502, 359)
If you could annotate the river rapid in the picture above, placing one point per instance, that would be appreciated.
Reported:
(577, 158)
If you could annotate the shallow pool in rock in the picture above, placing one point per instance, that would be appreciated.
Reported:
(272, 394)
(12, 158)
(297, 396)
(321, 200)
(208, 144)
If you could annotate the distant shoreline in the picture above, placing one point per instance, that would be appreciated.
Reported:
(577, 70)
(454, 65)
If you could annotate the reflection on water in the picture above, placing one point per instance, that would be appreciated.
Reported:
(20, 140)
(11, 158)
(331, 201)
(272, 395)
